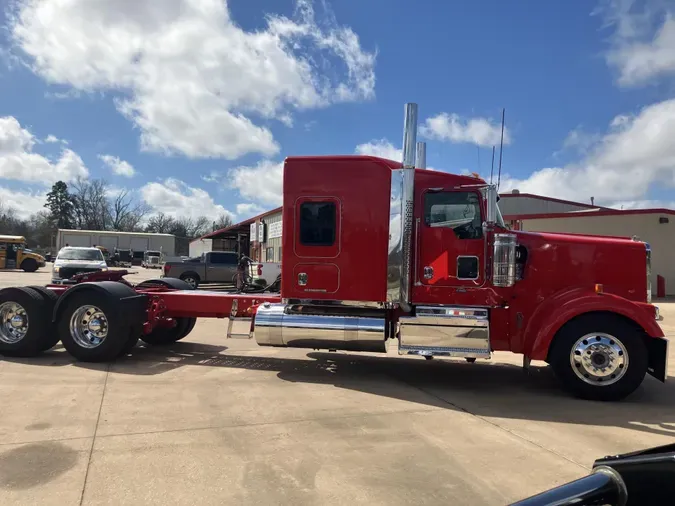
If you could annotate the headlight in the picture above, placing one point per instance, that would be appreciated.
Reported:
(104, 268)
(56, 269)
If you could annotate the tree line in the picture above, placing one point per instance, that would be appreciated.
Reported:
(93, 204)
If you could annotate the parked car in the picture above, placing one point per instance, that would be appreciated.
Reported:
(73, 260)
(212, 267)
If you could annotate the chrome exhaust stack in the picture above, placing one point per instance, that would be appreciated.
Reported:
(401, 215)
(421, 156)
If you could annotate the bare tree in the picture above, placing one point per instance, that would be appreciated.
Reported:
(160, 223)
(126, 215)
(92, 207)
(223, 221)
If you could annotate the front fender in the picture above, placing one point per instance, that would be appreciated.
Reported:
(551, 315)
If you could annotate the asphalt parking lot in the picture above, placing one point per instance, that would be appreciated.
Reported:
(216, 421)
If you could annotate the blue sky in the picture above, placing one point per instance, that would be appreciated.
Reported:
(194, 106)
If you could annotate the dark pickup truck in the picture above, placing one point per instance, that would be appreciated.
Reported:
(213, 267)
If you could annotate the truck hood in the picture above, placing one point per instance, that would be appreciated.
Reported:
(563, 260)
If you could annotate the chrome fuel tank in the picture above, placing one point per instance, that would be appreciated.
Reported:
(286, 325)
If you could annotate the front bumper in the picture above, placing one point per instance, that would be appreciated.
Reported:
(657, 349)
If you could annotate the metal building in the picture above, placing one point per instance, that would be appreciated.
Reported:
(258, 237)
(137, 241)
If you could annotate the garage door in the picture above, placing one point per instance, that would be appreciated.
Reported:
(76, 240)
(139, 243)
(109, 242)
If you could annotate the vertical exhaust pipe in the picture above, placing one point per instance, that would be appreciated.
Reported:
(421, 156)
(409, 146)
(409, 136)
(401, 216)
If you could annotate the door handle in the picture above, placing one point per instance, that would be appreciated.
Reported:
(428, 272)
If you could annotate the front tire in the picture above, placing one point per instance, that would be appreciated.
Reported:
(29, 265)
(599, 357)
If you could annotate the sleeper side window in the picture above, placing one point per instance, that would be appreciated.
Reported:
(317, 223)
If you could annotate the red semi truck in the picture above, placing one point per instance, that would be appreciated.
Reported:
(376, 250)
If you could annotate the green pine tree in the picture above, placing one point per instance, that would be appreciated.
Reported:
(60, 204)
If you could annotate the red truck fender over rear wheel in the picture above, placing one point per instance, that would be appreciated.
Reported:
(556, 311)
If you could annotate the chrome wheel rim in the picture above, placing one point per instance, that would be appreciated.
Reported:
(191, 281)
(599, 359)
(13, 322)
(88, 326)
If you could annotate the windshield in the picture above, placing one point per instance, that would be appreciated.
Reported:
(91, 255)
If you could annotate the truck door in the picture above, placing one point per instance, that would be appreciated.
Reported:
(221, 267)
(450, 248)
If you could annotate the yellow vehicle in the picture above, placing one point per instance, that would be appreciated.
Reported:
(14, 255)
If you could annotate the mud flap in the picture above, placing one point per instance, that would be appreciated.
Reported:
(657, 347)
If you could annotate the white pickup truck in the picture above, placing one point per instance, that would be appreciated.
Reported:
(265, 273)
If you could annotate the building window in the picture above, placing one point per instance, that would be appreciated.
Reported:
(269, 255)
(317, 223)
(279, 253)
(459, 211)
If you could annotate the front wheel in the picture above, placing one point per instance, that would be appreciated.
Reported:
(599, 357)
(29, 265)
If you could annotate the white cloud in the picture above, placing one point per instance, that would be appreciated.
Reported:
(260, 183)
(247, 210)
(482, 132)
(381, 148)
(19, 162)
(187, 75)
(117, 166)
(175, 198)
(23, 202)
(643, 42)
(635, 154)
(51, 139)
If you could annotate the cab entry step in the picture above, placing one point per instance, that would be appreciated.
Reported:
(451, 331)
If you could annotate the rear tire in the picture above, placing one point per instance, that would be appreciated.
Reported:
(22, 322)
(162, 336)
(599, 357)
(29, 265)
(191, 279)
(92, 327)
(51, 335)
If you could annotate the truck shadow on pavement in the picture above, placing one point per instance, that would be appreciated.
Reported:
(483, 389)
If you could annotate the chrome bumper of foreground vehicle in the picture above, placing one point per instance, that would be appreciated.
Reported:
(657, 347)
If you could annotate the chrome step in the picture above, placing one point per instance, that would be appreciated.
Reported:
(234, 318)
(451, 331)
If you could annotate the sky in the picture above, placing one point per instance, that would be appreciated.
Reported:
(192, 105)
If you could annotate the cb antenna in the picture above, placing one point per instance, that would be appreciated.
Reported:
(501, 148)
(492, 169)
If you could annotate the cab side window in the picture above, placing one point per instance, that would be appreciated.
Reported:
(459, 211)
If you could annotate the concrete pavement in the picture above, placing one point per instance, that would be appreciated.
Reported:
(212, 421)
